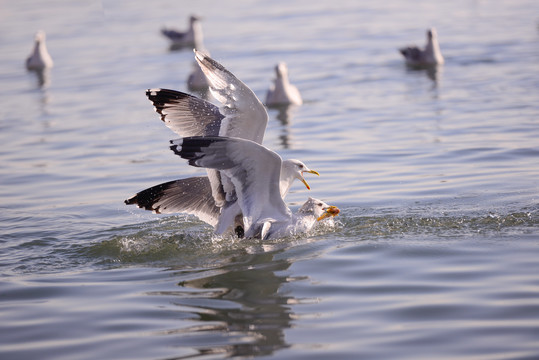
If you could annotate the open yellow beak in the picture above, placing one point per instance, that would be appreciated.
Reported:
(305, 182)
(330, 211)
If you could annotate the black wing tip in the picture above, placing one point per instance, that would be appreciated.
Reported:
(162, 98)
(152, 92)
(139, 202)
(174, 148)
(190, 148)
(190, 153)
(161, 95)
(146, 199)
(134, 200)
(199, 142)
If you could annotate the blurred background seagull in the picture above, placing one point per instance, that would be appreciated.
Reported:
(39, 59)
(282, 92)
(255, 174)
(191, 38)
(430, 55)
(196, 81)
(241, 115)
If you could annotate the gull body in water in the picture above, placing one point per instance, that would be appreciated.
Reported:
(196, 81)
(282, 92)
(191, 38)
(39, 59)
(241, 115)
(430, 55)
(254, 171)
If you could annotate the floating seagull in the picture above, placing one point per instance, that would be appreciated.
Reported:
(40, 58)
(192, 37)
(196, 81)
(255, 174)
(241, 115)
(431, 55)
(282, 92)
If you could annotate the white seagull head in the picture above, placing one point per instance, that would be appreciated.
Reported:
(296, 169)
(281, 70)
(319, 209)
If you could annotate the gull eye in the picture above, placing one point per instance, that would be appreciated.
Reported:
(319, 204)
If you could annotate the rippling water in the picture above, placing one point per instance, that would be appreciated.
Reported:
(436, 174)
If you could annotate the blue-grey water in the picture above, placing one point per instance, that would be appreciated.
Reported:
(436, 173)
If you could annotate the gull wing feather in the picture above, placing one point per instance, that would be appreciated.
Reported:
(188, 115)
(245, 116)
(253, 169)
(191, 195)
(185, 114)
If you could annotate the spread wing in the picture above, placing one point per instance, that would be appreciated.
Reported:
(188, 115)
(191, 195)
(241, 115)
(253, 169)
(185, 114)
(245, 115)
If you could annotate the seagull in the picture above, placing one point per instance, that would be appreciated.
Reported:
(192, 37)
(196, 81)
(40, 58)
(282, 92)
(431, 55)
(241, 115)
(255, 174)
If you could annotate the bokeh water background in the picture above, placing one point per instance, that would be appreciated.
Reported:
(436, 174)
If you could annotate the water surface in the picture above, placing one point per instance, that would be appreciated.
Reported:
(435, 171)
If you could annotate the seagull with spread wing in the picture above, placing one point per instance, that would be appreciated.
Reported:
(254, 171)
(241, 115)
